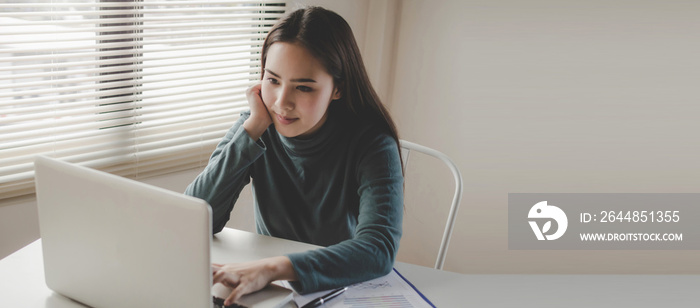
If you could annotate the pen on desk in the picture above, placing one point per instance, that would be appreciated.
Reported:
(323, 299)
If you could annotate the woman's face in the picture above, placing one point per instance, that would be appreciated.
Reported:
(296, 90)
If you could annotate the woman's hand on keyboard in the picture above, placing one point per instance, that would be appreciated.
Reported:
(245, 278)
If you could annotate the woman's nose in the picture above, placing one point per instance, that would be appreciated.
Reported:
(284, 100)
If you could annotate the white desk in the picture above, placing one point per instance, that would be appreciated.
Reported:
(22, 281)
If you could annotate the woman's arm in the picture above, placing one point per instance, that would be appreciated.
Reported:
(259, 119)
(372, 250)
(226, 174)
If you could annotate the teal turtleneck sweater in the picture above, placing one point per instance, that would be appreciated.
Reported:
(341, 188)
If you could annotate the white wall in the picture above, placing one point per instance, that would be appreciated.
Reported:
(19, 224)
(547, 96)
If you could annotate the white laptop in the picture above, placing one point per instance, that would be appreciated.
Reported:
(113, 242)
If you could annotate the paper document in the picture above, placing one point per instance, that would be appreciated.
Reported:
(391, 290)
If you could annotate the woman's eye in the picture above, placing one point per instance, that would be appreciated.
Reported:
(272, 80)
(304, 89)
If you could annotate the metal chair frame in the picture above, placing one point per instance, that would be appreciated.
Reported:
(449, 226)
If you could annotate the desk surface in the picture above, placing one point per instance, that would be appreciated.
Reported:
(22, 281)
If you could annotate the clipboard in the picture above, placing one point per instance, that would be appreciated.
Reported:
(392, 290)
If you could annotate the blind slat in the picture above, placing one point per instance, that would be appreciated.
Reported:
(121, 4)
(204, 96)
(96, 159)
(128, 32)
(138, 39)
(94, 82)
(58, 139)
(119, 146)
(120, 92)
(93, 28)
(101, 121)
(142, 19)
(204, 51)
(139, 8)
(70, 46)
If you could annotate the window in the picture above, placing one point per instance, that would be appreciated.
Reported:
(132, 87)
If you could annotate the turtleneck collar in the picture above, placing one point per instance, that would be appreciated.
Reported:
(316, 143)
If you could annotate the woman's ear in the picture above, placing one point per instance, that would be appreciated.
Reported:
(336, 94)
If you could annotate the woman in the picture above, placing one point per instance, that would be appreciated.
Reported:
(324, 158)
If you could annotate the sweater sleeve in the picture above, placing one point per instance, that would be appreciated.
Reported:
(372, 250)
(227, 172)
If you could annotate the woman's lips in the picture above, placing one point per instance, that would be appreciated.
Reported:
(285, 120)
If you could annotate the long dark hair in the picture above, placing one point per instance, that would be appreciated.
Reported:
(330, 40)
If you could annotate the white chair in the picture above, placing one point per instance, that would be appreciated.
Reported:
(406, 148)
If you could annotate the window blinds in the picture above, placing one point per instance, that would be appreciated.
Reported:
(133, 87)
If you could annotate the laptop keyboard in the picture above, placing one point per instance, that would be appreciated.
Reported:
(219, 303)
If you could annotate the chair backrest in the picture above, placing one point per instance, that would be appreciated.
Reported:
(406, 148)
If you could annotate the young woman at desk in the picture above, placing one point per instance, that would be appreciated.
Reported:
(323, 155)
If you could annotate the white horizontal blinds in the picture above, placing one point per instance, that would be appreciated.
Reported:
(136, 88)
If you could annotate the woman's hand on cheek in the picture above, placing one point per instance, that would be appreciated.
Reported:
(246, 278)
(259, 119)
